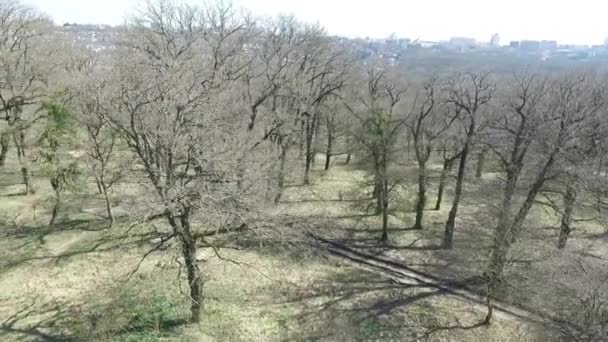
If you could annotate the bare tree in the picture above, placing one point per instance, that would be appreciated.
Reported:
(375, 110)
(172, 78)
(449, 156)
(541, 117)
(469, 93)
(426, 122)
(23, 76)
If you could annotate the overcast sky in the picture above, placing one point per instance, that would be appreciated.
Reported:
(568, 21)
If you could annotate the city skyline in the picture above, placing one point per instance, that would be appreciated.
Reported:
(568, 22)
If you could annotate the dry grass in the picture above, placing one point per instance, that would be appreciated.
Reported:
(55, 283)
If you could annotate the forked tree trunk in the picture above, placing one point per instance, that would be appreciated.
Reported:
(421, 202)
(565, 227)
(480, 163)
(448, 238)
(106, 196)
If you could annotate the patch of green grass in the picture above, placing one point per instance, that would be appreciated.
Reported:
(134, 312)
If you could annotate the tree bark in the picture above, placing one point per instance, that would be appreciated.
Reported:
(448, 238)
(106, 196)
(329, 151)
(348, 148)
(421, 202)
(480, 163)
(4, 147)
(384, 236)
(56, 185)
(384, 196)
(189, 250)
(447, 167)
(378, 185)
(565, 227)
(309, 150)
(315, 138)
(281, 176)
(25, 172)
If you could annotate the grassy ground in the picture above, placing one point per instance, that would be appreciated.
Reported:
(71, 282)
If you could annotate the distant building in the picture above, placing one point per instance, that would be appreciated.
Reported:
(514, 44)
(530, 45)
(549, 44)
(462, 43)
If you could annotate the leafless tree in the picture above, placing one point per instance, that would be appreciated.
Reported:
(543, 118)
(427, 121)
(469, 93)
(172, 78)
(23, 76)
(375, 110)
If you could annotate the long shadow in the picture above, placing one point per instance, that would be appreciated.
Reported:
(325, 201)
(44, 230)
(54, 313)
(385, 307)
(357, 298)
(435, 329)
(98, 246)
(354, 216)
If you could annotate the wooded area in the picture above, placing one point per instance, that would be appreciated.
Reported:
(200, 132)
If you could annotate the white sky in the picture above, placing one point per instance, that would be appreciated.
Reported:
(568, 21)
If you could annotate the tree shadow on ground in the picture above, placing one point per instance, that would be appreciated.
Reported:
(109, 316)
(46, 317)
(31, 241)
(357, 305)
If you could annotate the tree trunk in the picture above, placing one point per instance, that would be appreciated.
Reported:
(384, 236)
(447, 167)
(4, 147)
(490, 306)
(195, 281)
(378, 186)
(502, 236)
(448, 238)
(56, 185)
(409, 147)
(315, 138)
(348, 148)
(25, 172)
(281, 176)
(309, 150)
(108, 203)
(565, 227)
(421, 196)
(329, 151)
(302, 139)
(384, 197)
(480, 162)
